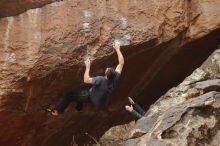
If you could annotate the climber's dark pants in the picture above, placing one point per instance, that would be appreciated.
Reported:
(137, 111)
(79, 97)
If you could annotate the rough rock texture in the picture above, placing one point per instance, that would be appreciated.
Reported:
(42, 52)
(187, 115)
(60, 35)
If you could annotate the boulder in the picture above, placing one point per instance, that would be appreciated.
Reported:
(43, 50)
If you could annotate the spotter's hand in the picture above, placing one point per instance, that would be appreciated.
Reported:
(129, 108)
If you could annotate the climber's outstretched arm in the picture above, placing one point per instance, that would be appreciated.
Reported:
(120, 59)
(87, 78)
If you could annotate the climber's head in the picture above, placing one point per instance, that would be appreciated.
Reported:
(110, 73)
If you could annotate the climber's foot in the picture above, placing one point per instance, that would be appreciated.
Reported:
(54, 113)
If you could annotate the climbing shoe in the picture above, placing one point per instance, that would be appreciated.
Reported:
(54, 113)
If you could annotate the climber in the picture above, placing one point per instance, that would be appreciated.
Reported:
(100, 87)
(136, 111)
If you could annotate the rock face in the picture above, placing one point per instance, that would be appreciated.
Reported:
(14, 7)
(186, 115)
(60, 35)
(42, 53)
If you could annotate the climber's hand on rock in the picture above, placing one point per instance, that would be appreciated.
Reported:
(87, 63)
(116, 46)
(129, 108)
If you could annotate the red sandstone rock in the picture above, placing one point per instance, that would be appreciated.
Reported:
(42, 53)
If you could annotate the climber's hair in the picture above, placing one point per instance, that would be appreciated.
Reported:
(110, 73)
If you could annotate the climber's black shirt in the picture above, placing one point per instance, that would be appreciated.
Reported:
(101, 89)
